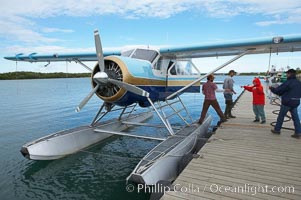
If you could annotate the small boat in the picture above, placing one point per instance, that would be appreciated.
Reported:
(163, 161)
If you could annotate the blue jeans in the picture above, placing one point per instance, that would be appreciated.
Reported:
(294, 112)
(228, 96)
(259, 112)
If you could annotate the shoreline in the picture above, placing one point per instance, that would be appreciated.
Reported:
(23, 75)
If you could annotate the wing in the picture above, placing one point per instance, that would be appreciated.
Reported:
(258, 46)
(226, 48)
(34, 57)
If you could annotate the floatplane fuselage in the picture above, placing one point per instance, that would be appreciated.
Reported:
(151, 78)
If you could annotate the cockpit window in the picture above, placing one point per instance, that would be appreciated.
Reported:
(145, 54)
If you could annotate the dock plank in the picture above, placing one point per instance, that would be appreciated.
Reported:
(244, 160)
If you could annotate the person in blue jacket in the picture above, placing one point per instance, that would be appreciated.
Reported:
(290, 92)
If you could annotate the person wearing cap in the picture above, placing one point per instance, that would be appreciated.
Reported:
(290, 93)
(228, 94)
(208, 90)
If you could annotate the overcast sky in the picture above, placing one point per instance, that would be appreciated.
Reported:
(52, 26)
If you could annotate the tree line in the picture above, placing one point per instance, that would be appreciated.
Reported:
(38, 75)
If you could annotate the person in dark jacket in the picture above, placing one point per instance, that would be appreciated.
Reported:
(290, 93)
(258, 100)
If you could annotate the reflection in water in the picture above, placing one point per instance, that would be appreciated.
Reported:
(95, 173)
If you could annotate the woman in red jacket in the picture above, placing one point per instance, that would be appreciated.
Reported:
(258, 100)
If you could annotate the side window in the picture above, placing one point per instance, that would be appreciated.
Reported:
(158, 65)
(181, 67)
(162, 64)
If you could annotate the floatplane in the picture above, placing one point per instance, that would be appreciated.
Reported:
(151, 78)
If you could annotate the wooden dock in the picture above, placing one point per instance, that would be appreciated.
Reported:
(243, 160)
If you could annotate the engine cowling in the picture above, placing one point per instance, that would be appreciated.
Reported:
(118, 68)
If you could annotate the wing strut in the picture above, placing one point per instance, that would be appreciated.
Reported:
(204, 76)
(82, 64)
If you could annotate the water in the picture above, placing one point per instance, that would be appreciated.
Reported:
(34, 108)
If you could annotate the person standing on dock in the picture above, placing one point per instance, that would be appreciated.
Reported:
(228, 94)
(290, 93)
(258, 100)
(208, 90)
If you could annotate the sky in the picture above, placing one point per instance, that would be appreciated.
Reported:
(56, 26)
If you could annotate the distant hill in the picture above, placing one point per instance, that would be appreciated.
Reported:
(36, 75)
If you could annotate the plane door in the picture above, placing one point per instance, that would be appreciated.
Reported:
(171, 71)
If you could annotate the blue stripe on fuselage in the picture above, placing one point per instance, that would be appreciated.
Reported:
(157, 93)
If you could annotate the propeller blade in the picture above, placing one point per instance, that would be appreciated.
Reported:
(86, 99)
(129, 87)
(99, 52)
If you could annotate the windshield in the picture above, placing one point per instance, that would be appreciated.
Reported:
(127, 53)
(145, 54)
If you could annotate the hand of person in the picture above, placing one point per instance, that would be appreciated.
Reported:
(242, 86)
(254, 88)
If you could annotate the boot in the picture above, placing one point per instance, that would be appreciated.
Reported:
(227, 112)
(232, 116)
(230, 112)
(230, 106)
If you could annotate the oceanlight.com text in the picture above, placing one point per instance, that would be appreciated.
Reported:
(246, 189)
(249, 189)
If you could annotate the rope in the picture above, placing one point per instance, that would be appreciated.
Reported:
(17, 77)
(270, 60)
(66, 69)
(67, 81)
(276, 112)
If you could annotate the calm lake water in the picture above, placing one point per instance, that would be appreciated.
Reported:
(31, 109)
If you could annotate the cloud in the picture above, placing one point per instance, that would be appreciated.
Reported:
(20, 33)
(52, 30)
(146, 8)
(46, 49)
(19, 21)
(292, 17)
(16, 28)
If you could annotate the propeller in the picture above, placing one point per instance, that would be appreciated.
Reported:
(129, 87)
(86, 99)
(101, 77)
(101, 62)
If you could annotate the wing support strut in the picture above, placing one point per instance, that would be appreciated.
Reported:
(204, 76)
(82, 64)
